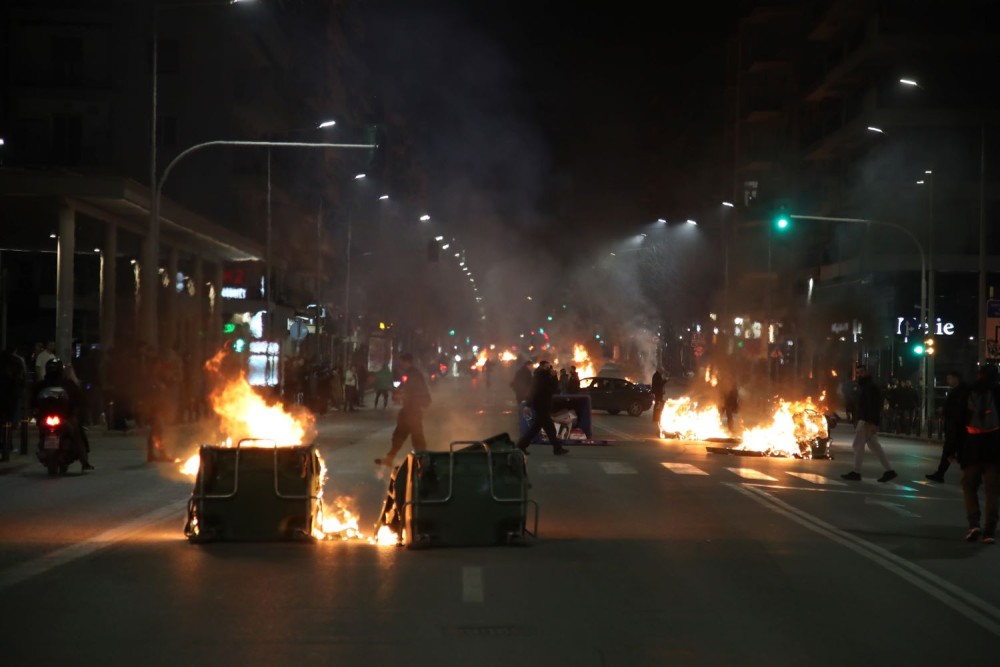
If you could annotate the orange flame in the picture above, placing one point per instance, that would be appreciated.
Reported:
(688, 420)
(793, 423)
(581, 359)
(245, 414)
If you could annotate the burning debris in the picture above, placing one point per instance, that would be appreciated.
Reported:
(581, 359)
(271, 464)
(798, 429)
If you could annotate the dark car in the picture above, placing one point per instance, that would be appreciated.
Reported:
(616, 395)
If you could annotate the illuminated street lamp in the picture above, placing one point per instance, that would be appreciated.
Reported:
(325, 124)
(425, 217)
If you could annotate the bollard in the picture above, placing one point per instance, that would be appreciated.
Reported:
(6, 441)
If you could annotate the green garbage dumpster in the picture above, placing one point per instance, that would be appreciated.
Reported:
(255, 491)
(475, 494)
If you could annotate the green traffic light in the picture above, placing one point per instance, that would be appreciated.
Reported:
(782, 222)
(239, 345)
(228, 328)
(451, 332)
(918, 349)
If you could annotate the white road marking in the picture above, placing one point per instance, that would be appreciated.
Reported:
(53, 559)
(937, 485)
(683, 468)
(472, 584)
(750, 473)
(974, 608)
(553, 468)
(617, 468)
(895, 507)
(817, 479)
(826, 489)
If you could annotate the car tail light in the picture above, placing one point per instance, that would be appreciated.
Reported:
(53, 420)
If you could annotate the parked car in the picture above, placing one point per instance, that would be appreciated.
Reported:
(616, 395)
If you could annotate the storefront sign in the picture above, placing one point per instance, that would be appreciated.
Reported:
(907, 325)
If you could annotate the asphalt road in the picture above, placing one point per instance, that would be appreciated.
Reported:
(650, 553)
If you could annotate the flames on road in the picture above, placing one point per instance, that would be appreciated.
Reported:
(581, 359)
(785, 432)
(243, 414)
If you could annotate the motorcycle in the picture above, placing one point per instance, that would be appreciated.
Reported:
(56, 433)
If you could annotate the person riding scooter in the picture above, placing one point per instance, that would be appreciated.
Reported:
(55, 378)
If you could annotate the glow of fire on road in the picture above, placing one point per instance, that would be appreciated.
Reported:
(244, 414)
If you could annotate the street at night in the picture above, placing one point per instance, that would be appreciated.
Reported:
(649, 552)
(467, 333)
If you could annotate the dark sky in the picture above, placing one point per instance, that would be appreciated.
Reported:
(545, 131)
(556, 116)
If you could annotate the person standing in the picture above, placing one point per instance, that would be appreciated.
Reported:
(868, 410)
(731, 405)
(350, 389)
(563, 381)
(42, 358)
(657, 385)
(574, 381)
(383, 385)
(954, 424)
(544, 386)
(979, 455)
(416, 398)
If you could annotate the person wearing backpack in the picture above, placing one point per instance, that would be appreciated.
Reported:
(979, 455)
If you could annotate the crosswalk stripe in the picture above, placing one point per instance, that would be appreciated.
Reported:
(617, 468)
(553, 468)
(749, 473)
(891, 485)
(817, 479)
(683, 468)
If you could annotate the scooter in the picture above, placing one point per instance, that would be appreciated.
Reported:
(56, 439)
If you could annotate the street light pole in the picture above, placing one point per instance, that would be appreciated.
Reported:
(923, 280)
(149, 267)
(982, 246)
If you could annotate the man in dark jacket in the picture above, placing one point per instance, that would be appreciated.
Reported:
(979, 455)
(868, 411)
(544, 386)
(954, 424)
(416, 397)
(521, 384)
(55, 378)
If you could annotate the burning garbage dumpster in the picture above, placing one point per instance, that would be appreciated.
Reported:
(475, 494)
(256, 491)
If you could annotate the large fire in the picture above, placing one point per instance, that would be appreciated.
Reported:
(584, 366)
(245, 415)
(785, 432)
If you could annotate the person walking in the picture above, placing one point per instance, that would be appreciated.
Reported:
(954, 423)
(383, 385)
(521, 384)
(416, 398)
(657, 385)
(868, 411)
(979, 455)
(544, 386)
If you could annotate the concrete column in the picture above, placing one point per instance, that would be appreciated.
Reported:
(168, 335)
(64, 281)
(109, 297)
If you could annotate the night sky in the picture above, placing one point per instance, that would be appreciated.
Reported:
(551, 119)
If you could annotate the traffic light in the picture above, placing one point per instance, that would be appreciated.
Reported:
(228, 328)
(239, 345)
(918, 349)
(782, 219)
(929, 346)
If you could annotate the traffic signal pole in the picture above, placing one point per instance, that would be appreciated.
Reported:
(923, 290)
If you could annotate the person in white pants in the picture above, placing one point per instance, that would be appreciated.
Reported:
(868, 406)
